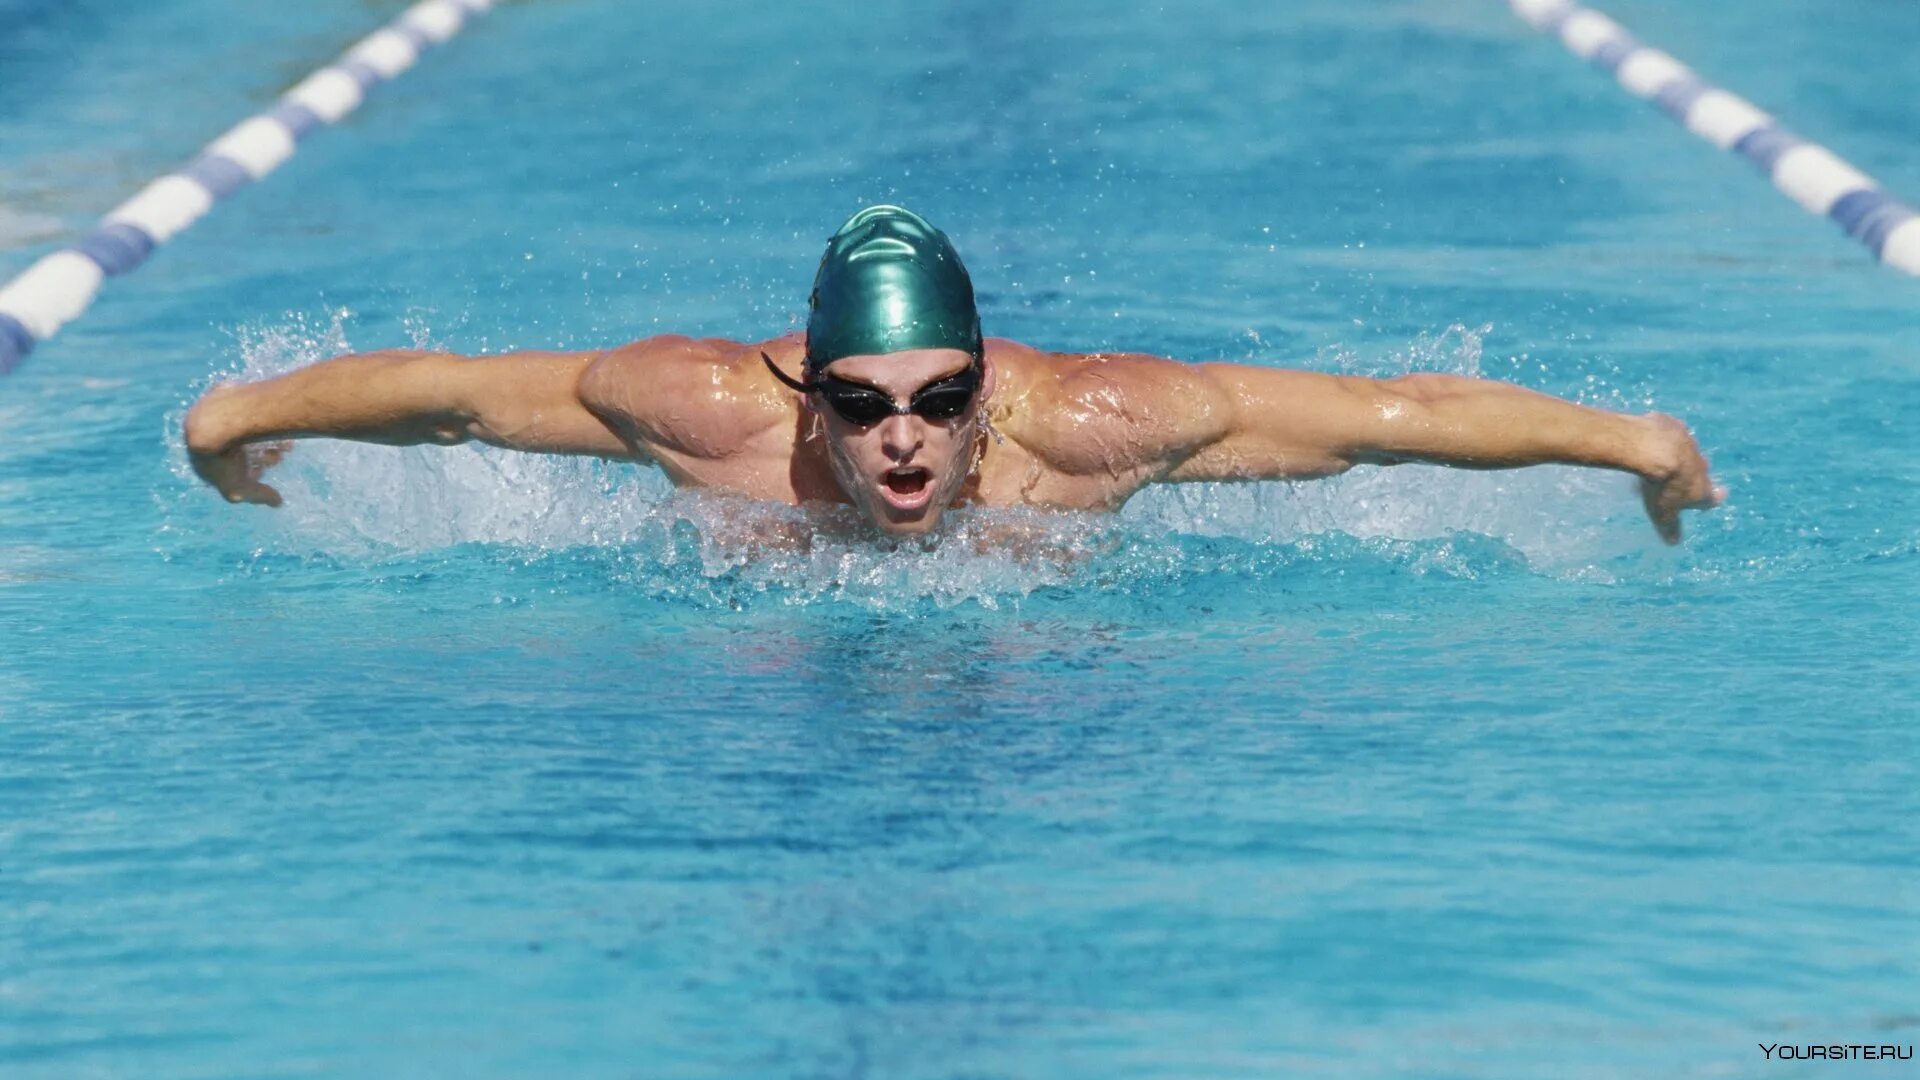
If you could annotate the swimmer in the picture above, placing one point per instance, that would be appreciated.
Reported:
(893, 402)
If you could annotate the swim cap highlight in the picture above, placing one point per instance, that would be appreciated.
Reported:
(889, 282)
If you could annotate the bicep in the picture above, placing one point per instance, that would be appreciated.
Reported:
(1291, 425)
(530, 401)
(673, 395)
(1126, 417)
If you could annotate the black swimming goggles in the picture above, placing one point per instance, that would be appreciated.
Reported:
(864, 406)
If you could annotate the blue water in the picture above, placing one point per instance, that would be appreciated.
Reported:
(472, 765)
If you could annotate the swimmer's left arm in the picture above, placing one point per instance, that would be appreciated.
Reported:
(1296, 424)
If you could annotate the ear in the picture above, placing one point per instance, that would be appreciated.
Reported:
(987, 382)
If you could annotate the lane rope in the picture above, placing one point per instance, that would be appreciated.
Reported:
(59, 287)
(1806, 172)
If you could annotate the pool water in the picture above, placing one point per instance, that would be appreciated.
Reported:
(471, 764)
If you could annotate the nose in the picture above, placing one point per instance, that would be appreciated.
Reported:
(899, 437)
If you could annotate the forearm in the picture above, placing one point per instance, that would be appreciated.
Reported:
(1296, 424)
(1481, 424)
(399, 398)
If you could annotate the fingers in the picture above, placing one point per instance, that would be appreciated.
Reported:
(1664, 504)
(236, 473)
(254, 492)
(1667, 523)
(1663, 509)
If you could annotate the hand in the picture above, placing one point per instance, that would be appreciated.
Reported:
(232, 470)
(1681, 481)
(235, 473)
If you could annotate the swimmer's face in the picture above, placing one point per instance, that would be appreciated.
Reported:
(902, 471)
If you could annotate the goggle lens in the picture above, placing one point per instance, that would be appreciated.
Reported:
(864, 406)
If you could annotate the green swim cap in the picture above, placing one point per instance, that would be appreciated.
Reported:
(889, 282)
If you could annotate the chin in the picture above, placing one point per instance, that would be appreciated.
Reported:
(916, 527)
(923, 522)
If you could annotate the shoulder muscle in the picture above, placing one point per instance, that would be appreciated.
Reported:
(693, 396)
(1123, 412)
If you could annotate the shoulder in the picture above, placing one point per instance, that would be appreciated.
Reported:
(1085, 412)
(706, 392)
(640, 370)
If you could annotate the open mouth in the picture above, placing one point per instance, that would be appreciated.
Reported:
(907, 487)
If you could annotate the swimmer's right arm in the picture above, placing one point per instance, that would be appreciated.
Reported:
(521, 401)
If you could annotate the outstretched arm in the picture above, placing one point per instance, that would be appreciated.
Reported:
(1282, 424)
(523, 401)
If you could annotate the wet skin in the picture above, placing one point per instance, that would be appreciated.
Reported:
(1070, 431)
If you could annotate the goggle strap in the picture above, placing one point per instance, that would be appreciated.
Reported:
(795, 384)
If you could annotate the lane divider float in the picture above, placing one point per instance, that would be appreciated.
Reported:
(1806, 172)
(55, 290)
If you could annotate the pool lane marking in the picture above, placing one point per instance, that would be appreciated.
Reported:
(59, 287)
(1808, 173)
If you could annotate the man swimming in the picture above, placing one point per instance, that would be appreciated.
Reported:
(893, 402)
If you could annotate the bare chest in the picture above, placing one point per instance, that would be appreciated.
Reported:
(1012, 475)
(788, 470)
(774, 465)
